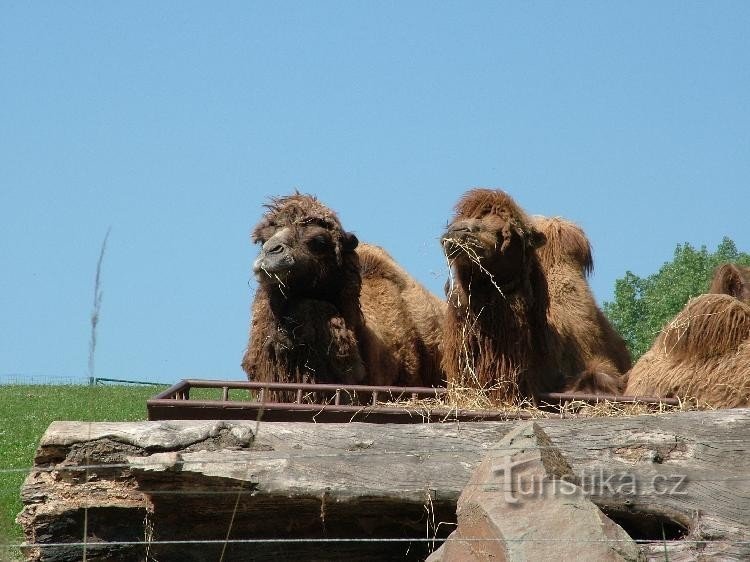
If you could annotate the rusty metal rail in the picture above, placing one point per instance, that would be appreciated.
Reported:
(339, 403)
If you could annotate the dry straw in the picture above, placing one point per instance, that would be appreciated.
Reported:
(461, 398)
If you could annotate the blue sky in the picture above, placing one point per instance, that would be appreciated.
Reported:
(172, 122)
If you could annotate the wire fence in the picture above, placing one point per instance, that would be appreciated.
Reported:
(430, 539)
(21, 379)
(186, 464)
(659, 548)
(29, 379)
(378, 540)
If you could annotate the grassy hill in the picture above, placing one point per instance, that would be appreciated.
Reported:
(25, 413)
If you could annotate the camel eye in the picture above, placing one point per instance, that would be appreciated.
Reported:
(319, 243)
(262, 235)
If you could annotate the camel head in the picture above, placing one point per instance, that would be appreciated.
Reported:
(491, 238)
(732, 279)
(305, 251)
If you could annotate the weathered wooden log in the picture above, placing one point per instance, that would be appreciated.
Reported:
(197, 490)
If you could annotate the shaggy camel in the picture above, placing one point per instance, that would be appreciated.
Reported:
(703, 354)
(331, 310)
(521, 318)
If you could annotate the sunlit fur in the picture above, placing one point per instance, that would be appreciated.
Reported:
(703, 354)
(521, 318)
(346, 315)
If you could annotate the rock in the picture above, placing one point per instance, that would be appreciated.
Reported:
(523, 502)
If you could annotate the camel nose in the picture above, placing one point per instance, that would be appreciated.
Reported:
(463, 228)
(276, 255)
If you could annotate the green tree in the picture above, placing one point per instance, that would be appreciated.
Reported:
(642, 306)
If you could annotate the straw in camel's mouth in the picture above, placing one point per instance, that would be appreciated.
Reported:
(462, 245)
(270, 272)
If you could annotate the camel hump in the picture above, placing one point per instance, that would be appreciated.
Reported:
(376, 263)
(566, 242)
(709, 325)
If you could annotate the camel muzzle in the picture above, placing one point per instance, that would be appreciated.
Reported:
(276, 261)
(460, 237)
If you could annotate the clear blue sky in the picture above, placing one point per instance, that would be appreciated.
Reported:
(172, 122)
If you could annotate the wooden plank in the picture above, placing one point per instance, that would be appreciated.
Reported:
(364, 481)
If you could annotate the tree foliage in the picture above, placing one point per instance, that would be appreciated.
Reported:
(642, 306)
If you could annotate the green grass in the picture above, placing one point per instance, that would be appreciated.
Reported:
(25, 414)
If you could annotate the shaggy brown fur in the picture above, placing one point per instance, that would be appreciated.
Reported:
(330, 310)
(732, 279)
(703, 354)
(521, 318)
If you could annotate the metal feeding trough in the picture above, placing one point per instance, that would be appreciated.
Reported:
(327, 403)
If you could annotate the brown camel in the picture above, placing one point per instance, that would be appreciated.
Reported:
(521, 318)
(331, 310)
(703, 354)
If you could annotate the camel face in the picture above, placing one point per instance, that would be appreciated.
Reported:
(484, 246)
(299, 257)
(303, 248)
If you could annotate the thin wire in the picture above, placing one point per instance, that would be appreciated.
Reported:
(497, 485)
(379, 540)
(231, 521)
(239, 492)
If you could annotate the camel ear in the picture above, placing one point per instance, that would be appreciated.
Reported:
(350, 242)
(536, 238)
(729, 281)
